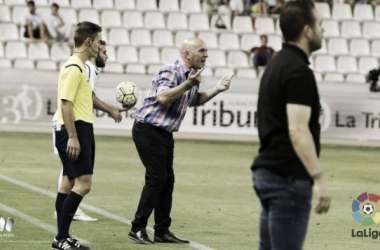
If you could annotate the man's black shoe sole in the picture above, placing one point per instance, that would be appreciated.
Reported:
(140, 241)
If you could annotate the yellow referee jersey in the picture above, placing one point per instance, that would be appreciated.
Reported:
(73, 85)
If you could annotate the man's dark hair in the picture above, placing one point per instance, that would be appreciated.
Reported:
(85, 30)
(55, 5)
(31, 3)
(102, 42)
(293, 18)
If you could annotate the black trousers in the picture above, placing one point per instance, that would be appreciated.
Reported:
(156, 150)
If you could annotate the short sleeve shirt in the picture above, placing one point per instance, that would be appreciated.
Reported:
(35, 19)
(73, 85)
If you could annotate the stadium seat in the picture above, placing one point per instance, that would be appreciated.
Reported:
(18, 14)
(371, 30)
(237, 59)
(207, 72)
(146, 5)
(81, 4)
(337, 46)
(318, 76)
(103, 4)
(246, 73)
(323, 49)
(216, 58)
(334, 77)
(169, 54)
(222, 72)
(118, 36)
(363, 12)
(367, 63)
(60, 52)
(135, 68)
(149, 55)
(169, 5)
(226, 21)
(154, 20)
(355, 78)
(127, 54)
(40, 3)
(141, 37)
(15, 49)
(242, 24)
(46, 65)
(351, 29)
(154, 68)
(5, 14)
(114, 67)
(229, 41)
(330, 28)
(5, 63)
(191, 6)
(14, 2)
(69, 15)
(111, 18)
(248, 41)
(341, 11)
(275, 41)
(61, 3)
(38, 51)
(1, 50)
(323, 10)
(177, 21)
(111, 53)
(346, 64)
(324, 63)
(8, 31)
(90, 15)
(125, 4)
(210, 38)
(359, 47)
(23, 64)
(199, 22)
(264, 25)
(133, 19)
(375, 48)
(45, 12)
(162, 38)
(182, 35)
(377, 12)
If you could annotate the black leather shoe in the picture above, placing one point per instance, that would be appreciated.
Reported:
(169, 238)
(140, 237)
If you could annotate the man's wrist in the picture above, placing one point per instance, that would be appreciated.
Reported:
(188, 84)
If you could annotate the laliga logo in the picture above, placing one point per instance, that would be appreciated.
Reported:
(366, 209)
(8, 225)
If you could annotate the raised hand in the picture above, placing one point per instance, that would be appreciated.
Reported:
(195, 77)
(224, 83)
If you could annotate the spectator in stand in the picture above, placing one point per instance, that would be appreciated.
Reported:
(34, 24)
(210, 6)
(278, 7)
(375, 3)
(57, 27)
(260, 8)
(263, 54)
(237, 7)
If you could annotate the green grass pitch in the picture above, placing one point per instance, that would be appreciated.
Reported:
(214, 204)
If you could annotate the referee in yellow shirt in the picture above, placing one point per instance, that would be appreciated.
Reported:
(74, 133)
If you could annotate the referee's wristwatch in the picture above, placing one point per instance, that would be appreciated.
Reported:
(188, 85)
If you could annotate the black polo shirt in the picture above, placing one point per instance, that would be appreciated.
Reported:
(287, 79)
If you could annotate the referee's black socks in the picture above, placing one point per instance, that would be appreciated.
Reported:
(59, 204)
(69, 208)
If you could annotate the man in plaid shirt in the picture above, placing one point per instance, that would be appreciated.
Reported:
(173, 89)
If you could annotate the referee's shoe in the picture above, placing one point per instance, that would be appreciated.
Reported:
(68, 244)
(140, 236)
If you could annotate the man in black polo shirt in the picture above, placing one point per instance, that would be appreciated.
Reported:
(288, 122)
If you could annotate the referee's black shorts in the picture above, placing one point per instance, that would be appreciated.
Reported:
(84, 165)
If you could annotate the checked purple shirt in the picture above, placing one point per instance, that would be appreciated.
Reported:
(170, 117)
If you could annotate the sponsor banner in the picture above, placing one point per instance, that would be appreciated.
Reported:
(31, 106)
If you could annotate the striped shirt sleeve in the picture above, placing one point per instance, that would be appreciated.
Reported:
(166, 79)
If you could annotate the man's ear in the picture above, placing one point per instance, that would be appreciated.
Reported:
(187, 55)
(308, 31)
(89, 41)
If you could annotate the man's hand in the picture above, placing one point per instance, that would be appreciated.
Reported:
(323, 196)
(224, 83)
(115, 114)
(195, 77)
(73, 148)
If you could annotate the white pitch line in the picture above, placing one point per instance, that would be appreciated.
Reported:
(93, 209)
(32, 220)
